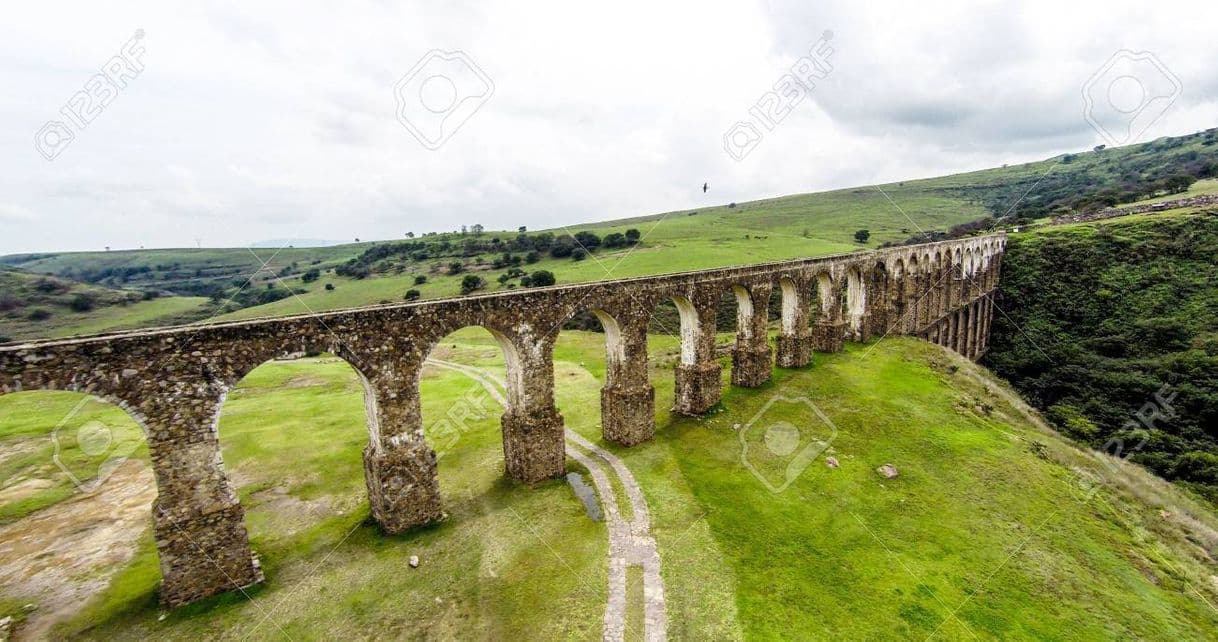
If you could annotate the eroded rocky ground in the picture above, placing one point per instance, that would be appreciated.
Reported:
(58, 557)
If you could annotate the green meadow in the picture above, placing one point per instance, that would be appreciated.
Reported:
(985, 533)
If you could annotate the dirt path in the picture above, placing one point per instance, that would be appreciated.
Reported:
(630, 540)
(62, 555)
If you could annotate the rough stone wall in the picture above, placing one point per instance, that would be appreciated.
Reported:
(173, 380)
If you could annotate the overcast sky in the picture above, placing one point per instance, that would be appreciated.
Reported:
(242, 122)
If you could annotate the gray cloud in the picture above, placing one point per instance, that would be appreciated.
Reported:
(278, 120)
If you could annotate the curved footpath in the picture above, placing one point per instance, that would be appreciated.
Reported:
(630, 540)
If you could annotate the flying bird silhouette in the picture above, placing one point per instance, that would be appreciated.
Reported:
(704, 188)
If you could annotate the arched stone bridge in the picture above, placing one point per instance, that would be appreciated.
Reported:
(173, 381)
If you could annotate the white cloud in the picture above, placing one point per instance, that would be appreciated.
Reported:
(277, 120)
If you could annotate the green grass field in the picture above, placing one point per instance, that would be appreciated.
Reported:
(983, 534)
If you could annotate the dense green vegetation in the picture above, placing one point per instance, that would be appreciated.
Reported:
(1090, 180)
(982, 534)
(1112, 328)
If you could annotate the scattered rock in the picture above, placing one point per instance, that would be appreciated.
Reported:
(736, 427)
(161, 617)
(30, 608)
(414, 561)
(831, 462)
(888, 471)
(1164, 514)
(6, 628)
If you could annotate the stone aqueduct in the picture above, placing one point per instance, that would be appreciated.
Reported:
(173, 381)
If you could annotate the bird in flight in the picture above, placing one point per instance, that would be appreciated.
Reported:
(704, 188)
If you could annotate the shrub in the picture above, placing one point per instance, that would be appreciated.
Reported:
(47, 286)
(632, 236)
(420, 279)
(1197, 466)
(532, 257)
(562, 247)
(862, 235)
(456, 267)
(311, 275)
(82, 303)
(578, 254)
(541, 278)
(472, 282)
(616, 239)
(39, 314)
(412, 295)
(587, 240)
(329, 286)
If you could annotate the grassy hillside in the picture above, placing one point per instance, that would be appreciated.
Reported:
(1104, 318)
(726, 234)
(183, 271)
(984, 533)
(38, 306)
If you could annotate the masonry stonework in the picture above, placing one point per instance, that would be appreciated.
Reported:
(173, 381)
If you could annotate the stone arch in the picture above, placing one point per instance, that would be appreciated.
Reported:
(513, 364)
(752, 357)
(627, 397)
(243, 423)
(533, 446)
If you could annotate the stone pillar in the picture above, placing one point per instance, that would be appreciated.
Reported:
(628, 399)
(399, 466)
(829, 331)
(752, 358)
(697, 376)
(925, 301)
(910, 303)
(198, 523)
(970, 329)
(960, 331)
(795, 342)
(877, 302)
(533, 443)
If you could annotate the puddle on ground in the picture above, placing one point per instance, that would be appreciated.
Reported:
(586, 494)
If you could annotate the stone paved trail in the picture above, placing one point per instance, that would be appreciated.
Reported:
(630, 540)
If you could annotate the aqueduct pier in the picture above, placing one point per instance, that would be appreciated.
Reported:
(173, 381)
